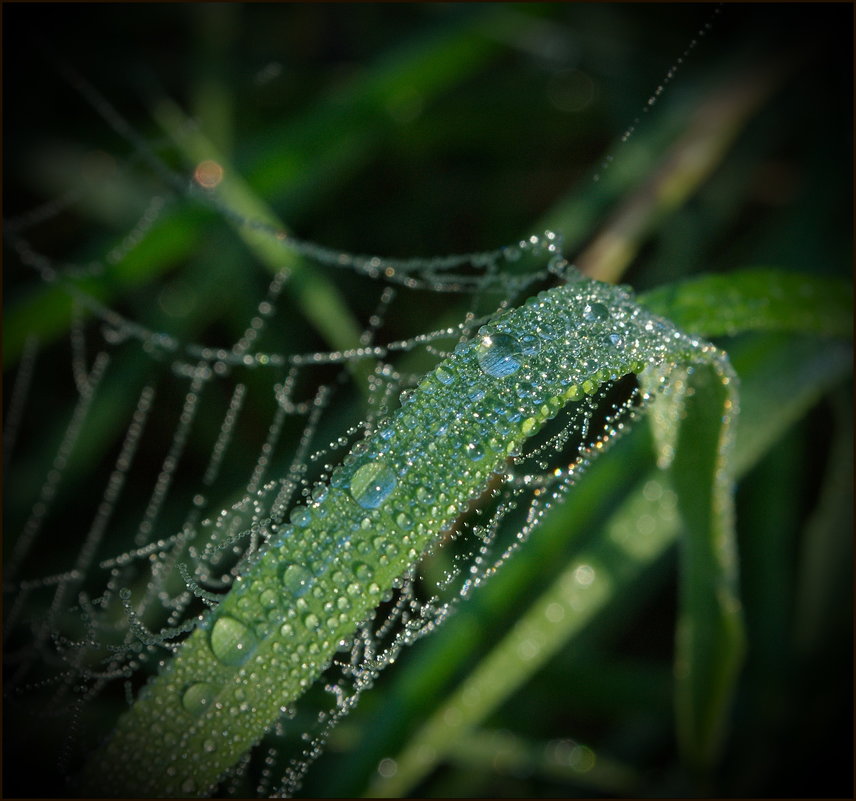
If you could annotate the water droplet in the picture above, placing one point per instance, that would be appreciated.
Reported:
(372, 484)
(209, 746)
(312, 622)
(423, 496)
(319, 493)
(497, 355)
(231, 641)
(475, 452)
(443, 375)
(198, 697)
(530, 345)
(268, 598)
(297, 580)
(338, 478)
(595, 311)
(301, 516)
(362, 571)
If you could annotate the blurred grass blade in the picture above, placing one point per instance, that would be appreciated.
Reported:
(316, 296)
(717, 121)
(758, 299)
(563, 760)
(585, 587)
(709, 647)
(217, 27)
(824, 580)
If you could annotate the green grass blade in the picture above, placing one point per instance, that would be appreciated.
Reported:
(761, 299)
(709, 647)
(501, 751)
(620, 556)
(772, 378)
(825, 580)
(582, 590)
(317, 297)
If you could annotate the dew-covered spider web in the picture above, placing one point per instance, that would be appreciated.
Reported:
(152, 447)
(155, 548)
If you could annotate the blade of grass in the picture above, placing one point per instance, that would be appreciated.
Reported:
(216, 25)
(710, 636)
(759, 299)
(316, 296)
(561, 760)
(824, 580)
(536, 636)
(717, 121)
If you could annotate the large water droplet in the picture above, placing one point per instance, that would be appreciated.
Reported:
(297, 580)
(268, 598)
(443, 375)
(372, 484)
(498, 355)
(198, 697)
(475, 452)
(595, 311)
(404, 521)
(231, 641)
(301, 516)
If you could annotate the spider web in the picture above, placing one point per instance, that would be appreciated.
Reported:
(150, 454)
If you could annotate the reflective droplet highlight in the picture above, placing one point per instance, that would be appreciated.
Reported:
(443, 375)
(595, 311)
(475, 452)
(301, 516)
(198, 697)
(297, 580)
(231, 641)
(498, 355)
(372, 484)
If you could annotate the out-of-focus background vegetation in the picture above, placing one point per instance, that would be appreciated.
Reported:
(423, 129)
